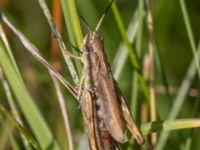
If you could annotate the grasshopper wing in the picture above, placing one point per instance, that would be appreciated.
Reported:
(127, 116)
(110, 108)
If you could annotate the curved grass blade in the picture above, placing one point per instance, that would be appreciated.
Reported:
(35, 52)
(26, 103)
(13, 106)
(61, 43)
(22, 130)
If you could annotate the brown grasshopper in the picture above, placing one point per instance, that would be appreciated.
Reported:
(102, 102)
(103, 106)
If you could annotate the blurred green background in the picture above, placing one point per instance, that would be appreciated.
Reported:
(171, 39)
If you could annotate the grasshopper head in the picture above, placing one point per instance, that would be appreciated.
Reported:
(93, 42)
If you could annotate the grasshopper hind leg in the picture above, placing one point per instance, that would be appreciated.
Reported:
(89, 118)
(128, 118)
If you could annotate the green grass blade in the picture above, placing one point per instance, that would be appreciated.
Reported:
(135, 87)
(5, 41)
(134, 96)
(68, 23)
(190, 34)
(122, 53)
(13, 108)
(26, 103)
(179, 100)
(188, 144)
(74, 20)
(20, 128)
(73, 45)
(169, 125)
(131, 53)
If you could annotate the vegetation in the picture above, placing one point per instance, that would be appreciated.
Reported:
(153, 48)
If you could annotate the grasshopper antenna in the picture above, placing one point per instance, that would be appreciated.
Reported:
(103, 16)
(86, 24)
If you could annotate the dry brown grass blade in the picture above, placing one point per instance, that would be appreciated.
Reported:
(35, 52)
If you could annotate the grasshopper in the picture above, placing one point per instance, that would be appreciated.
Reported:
(103, 105)
(103, 101)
